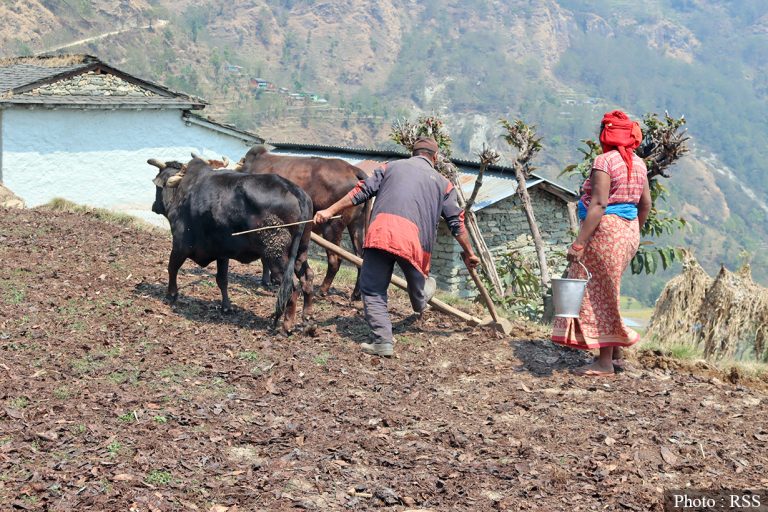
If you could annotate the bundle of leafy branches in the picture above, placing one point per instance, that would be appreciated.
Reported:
(405, 133)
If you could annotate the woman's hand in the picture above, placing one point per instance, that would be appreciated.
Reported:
(575, 253)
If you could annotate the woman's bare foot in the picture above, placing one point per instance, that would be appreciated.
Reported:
(596, 369)
(618, 359)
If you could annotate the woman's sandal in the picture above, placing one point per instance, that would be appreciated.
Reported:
(594, 373)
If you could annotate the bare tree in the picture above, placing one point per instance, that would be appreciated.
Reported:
(487, 157)
(523, 138)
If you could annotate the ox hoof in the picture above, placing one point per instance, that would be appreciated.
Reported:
(310, 329)
(227, 310)
(171, 299)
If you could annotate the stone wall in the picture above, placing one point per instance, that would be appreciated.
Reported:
(505, 229)
(91, 84)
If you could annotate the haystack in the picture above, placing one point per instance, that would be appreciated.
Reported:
(8, 199)
(727, 318)
(675, 318)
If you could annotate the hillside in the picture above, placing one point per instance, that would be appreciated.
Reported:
(112, 400)
(558, 64)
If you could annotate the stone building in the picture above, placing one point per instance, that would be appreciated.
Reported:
(505, 228)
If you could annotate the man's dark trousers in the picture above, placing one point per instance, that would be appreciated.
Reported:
(374, 281)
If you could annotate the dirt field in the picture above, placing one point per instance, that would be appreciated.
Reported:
(112, 400)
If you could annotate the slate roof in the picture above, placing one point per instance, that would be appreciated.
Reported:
(20, 77)
(24, 71)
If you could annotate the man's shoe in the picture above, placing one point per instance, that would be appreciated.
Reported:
(430, 287)
(377, 349)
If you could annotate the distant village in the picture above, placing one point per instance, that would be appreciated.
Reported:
(260, 85)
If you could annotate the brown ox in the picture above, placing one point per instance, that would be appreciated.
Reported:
(326, 180)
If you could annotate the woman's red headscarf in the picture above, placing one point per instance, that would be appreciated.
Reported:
(621, 133)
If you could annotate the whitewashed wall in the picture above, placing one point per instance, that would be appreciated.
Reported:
(99, 157)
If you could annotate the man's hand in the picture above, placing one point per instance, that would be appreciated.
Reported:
(470, 260)
(322, 216)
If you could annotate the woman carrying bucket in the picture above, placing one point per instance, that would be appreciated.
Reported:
(615, 204)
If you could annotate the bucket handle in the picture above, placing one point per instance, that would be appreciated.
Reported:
(589, 275)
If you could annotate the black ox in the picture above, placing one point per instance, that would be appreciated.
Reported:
(206, 206)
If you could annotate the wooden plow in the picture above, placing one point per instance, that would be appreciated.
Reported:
(397, 281)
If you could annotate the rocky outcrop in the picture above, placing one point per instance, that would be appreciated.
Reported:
(8, 199)
(674, 40)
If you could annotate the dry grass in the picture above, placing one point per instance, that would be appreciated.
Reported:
(726, 319)
(55, 61)
(121, 219)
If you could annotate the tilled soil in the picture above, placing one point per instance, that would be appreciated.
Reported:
(111, 399)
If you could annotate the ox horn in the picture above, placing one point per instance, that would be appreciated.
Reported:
(225, 160)
(195, 155)
(157, 163)
(174, 180)
(239, 165)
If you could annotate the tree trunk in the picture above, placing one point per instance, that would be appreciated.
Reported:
(525, 198)
(486, 258)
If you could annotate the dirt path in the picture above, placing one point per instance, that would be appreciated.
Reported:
(111, 399)
(156, 25)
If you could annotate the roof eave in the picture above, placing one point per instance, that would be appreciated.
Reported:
(245, 136)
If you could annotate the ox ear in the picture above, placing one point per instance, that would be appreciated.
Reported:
(158, 181)
(174, 180)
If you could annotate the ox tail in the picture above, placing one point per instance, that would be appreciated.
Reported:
(297, 243)
(289, 274)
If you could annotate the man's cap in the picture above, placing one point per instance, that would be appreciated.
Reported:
(426, 143)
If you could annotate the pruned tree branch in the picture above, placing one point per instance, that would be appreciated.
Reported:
(488, 156)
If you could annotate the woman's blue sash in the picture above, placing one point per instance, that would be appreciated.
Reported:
(624, 210)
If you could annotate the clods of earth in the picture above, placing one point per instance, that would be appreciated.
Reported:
(110, 399)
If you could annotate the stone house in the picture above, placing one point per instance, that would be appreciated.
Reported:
(499, 214)
(72, 126)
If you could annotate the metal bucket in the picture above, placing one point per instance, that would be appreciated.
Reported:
(567, 295)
